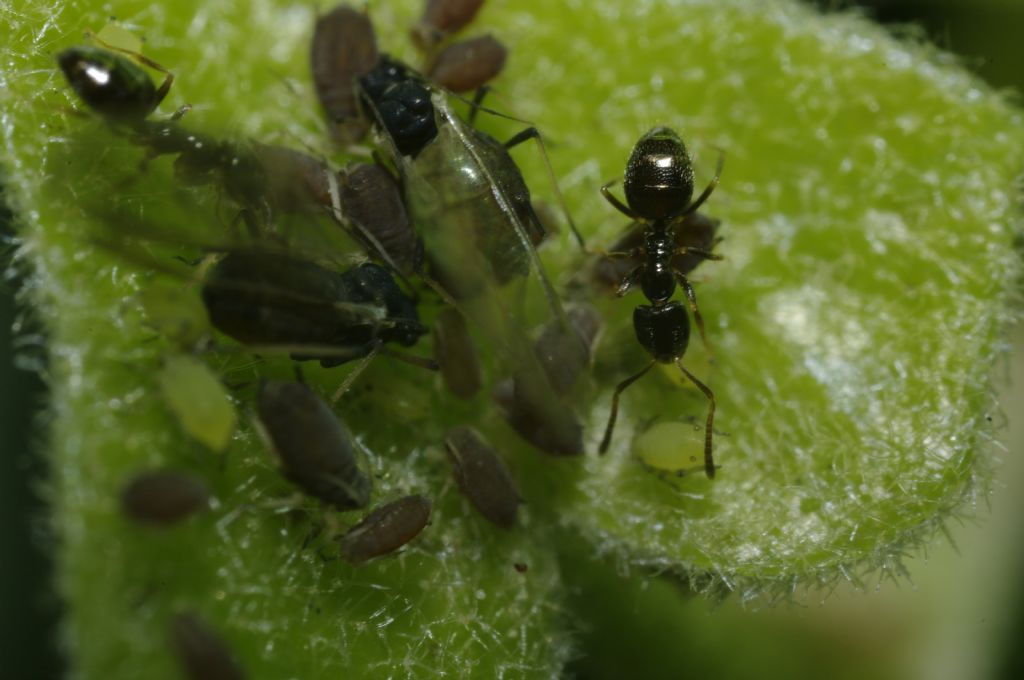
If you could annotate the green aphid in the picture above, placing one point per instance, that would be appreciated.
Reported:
(176, 313)
(671, 447)
(198, 400)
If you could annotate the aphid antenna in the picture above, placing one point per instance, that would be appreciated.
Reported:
(531, 132)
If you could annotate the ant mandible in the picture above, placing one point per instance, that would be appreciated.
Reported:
(659, 187)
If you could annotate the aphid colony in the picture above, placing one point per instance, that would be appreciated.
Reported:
(445, 218)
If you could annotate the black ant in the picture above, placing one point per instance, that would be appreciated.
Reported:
(659, 187)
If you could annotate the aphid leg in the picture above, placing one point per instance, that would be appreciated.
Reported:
(709, 461)
(710, 187)
(684, 283)
(351, 377)
(165, 86)
(616, 203)
(619, 389)
(534, 134)
(411, 359)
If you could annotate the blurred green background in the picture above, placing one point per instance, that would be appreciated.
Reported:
(959, 615)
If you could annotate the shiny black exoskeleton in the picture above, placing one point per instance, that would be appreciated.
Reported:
(266, 299)
(659, 189)
(112, 85)
(401, 102)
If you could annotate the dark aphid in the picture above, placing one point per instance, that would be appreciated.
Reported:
(344, 47)
(659, 188)
(482, 476)
(316, 450)
(113, 85)
(372, 201)
(386, 529)
(456, 354)
(469, 202)
(464, 66)
(696, 232)
(470, 205)
(201, 652)
(541, 418)
(521, 567)
(564, 353)
(163, 498)
(267, 299)
(442, 18)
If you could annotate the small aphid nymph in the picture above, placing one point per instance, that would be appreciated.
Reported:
(202, 653)
(386, 529)
(482, 476)
(317, 452)
(163, 498)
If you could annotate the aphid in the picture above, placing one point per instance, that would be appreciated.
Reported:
(441, 18)
(198, 399)
(467, 65)
(371, 200)
(344, 47)
(386, 529)
(456, 354)
(163, 498)
(201, 652)
(559, 351)
(317, 452)
(521, 567)
(472, 208)
(482, 476)
(269, 299)
(659, 187)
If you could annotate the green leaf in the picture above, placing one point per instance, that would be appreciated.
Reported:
(868, 211)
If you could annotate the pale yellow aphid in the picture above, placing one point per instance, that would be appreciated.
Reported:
(672, 447)
(198, 399)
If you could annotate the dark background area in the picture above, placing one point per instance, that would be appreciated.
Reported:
(987, 34)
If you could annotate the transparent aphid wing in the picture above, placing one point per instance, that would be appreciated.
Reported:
(472, 210)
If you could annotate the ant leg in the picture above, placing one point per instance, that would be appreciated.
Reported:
(619, 389)
(692, 297)
(700, 252)
(616, 203)
(411, 359)
(709, 461)
(710, 187)
(534, 134)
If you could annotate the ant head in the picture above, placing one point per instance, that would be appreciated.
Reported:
(659, 175)
(113, 86)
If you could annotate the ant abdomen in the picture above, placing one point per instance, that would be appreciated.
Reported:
(663, 331)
